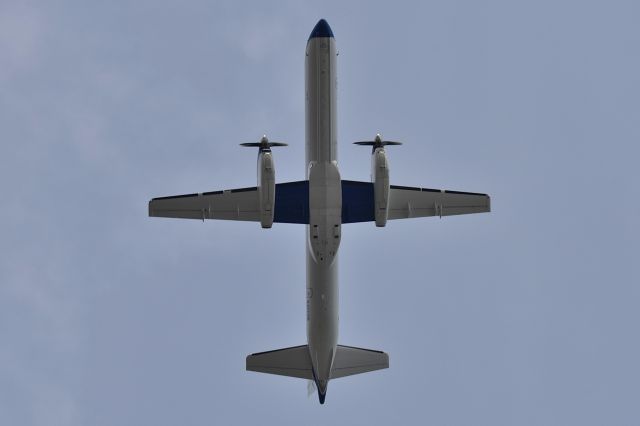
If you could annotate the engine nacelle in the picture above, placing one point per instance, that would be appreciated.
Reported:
(380, 179)
(266, 179)
(266, 187)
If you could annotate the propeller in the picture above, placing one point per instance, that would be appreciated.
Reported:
(264, 144)
(311, 388)
(377, 142)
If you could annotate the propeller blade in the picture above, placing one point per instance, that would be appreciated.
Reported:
(311, 388)
(263, 144)
(377, 143)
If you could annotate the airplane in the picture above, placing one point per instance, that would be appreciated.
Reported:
(323, 202)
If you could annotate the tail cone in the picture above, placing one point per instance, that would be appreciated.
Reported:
(322, 390)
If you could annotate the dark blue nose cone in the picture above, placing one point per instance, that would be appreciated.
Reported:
(322, 29)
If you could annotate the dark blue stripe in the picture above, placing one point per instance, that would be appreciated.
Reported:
(253, 188)
(292, 202)
(357, 202)
(176, 196)
(465, 193)
(408, 188)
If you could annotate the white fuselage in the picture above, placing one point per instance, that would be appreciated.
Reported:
(325, 205)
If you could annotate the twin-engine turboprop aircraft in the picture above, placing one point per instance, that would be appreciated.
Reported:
(323, 202)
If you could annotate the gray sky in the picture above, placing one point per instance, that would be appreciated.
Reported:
(528, 315)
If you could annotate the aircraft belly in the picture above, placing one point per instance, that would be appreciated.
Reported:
(320, 117)
(325, 211)
(322, 314)
(325, 204)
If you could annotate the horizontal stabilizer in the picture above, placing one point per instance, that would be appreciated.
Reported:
(350, 360)
(292, 362)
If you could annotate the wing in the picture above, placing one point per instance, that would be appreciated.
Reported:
(407, 202)
(233, 204)
(291, 204)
